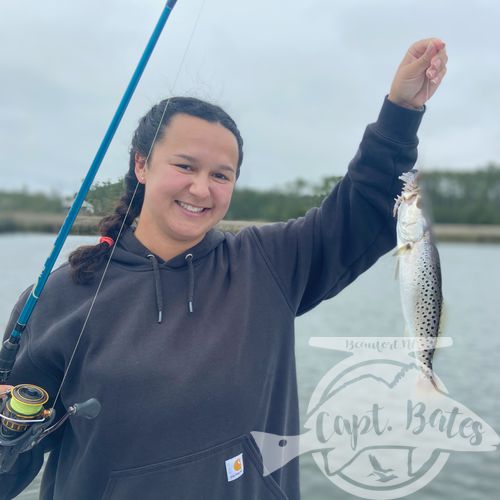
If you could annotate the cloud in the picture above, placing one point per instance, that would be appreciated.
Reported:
(302, 79)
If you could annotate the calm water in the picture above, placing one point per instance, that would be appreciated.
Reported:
(370, 306)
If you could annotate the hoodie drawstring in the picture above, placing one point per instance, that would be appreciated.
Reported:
(189, 259)
(159, 293)
(158, 288)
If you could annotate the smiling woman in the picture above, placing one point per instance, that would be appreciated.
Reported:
(184, 161)
(185, 334)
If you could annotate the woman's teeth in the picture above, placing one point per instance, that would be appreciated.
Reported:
(190, 208)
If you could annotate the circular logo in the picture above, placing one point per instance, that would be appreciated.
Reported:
(372, 420)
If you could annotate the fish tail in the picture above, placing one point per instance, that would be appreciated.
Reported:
(428, 382)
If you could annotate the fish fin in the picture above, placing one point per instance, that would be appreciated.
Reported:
(438, 386)
(398, 201)
(403, 249)
(427, 384)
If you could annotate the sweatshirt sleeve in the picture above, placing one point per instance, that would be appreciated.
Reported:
(30, 462)
(314, 257)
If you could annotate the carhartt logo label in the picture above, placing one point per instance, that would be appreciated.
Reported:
(234, 467)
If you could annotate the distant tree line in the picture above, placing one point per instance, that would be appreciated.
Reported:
(465, 197)
(292, 201)
(24, 201)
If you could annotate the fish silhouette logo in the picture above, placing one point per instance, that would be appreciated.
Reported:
(372, 429)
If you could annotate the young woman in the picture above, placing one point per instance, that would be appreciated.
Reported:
(189, 345)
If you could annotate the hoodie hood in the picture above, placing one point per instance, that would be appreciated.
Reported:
(131, 252)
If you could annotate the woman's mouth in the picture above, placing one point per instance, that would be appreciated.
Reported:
(191, 208)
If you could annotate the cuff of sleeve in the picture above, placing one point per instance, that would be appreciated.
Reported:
(397, 123)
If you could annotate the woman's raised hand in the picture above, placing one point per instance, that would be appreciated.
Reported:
(420, 73)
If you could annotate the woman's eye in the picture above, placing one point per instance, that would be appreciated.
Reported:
(221, 177)
(183, 167)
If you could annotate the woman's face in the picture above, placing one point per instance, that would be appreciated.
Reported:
(189, 181)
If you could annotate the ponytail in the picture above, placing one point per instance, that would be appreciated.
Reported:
(86, 260)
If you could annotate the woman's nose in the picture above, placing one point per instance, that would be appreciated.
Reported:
(200, 186)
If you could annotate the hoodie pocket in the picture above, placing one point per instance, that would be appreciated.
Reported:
(228, 471)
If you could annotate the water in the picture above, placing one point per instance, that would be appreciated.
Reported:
(369, 307)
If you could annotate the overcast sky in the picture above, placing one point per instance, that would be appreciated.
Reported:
(301, 78)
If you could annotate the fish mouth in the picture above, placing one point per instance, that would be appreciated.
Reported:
(410, 180)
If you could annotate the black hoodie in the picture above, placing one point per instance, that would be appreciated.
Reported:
(181, 397)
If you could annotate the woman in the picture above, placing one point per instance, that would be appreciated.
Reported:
(189, 345)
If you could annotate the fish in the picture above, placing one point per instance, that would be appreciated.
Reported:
(419, 271)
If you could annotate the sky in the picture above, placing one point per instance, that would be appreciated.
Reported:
(301, 78)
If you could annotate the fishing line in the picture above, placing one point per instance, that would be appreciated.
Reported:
(128, 210)
(427, 97)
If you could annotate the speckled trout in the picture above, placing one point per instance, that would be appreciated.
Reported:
(419, 271)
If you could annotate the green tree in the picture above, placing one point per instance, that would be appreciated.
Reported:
(104, 196)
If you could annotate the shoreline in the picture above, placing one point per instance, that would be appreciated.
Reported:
(87, 225)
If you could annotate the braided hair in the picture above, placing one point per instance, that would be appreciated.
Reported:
(86, 260)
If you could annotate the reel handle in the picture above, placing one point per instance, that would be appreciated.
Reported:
(87, 409)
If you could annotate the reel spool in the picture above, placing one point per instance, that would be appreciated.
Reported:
(25, 422)
(24, 405)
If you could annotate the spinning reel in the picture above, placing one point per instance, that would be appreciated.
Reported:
(25, 421)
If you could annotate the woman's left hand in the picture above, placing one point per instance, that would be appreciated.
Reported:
(4, 390)
(419, 74)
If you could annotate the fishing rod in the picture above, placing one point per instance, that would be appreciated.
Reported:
(24, 420)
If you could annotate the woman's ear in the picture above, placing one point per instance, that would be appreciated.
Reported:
(140, 168)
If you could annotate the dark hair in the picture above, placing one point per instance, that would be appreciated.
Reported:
(86, 260)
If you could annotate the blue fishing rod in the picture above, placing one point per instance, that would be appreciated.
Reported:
(24, 421)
